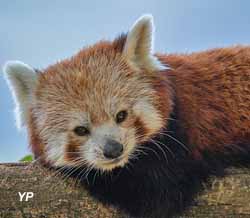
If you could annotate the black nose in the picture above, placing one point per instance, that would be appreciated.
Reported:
(112, 149)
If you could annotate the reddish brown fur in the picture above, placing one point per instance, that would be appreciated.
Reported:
(72, 150)
(212, 92)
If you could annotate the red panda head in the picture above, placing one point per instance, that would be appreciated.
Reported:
(97, 107)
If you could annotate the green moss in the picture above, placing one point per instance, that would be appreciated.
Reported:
(27, 158)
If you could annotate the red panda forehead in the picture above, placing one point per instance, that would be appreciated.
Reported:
(98, 77)
(96, 96)
(97, 80)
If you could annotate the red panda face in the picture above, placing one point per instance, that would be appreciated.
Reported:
(97, 111)
(97, 107)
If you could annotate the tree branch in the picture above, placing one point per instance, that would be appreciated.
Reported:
(54, 197)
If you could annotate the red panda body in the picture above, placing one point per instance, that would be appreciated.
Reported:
(212, 92)
(158, 125)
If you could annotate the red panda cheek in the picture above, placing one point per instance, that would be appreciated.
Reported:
(141, 130)
(148, 119)
(72, 150)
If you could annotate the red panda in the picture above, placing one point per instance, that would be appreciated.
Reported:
(144, 130)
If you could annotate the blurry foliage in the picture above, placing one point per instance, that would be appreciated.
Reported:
(27, 158)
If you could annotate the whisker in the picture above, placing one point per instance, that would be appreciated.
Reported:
(165, 146)
(158, 146)
(68, 170)
(176, 140)
(151, 149)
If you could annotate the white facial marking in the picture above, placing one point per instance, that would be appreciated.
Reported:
(55, 147)
(78, 118)
(150, 115)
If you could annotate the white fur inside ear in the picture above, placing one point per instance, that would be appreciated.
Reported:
(21, 79)
(139, 45)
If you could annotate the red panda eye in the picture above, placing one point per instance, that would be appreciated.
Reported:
(81, 131)
(121, 116)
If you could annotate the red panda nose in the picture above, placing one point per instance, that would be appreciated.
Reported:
(112, 149)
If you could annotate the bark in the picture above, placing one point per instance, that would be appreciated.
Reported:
(227, 197)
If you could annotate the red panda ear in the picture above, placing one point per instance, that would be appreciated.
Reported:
(138, 47)
(22, 80)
